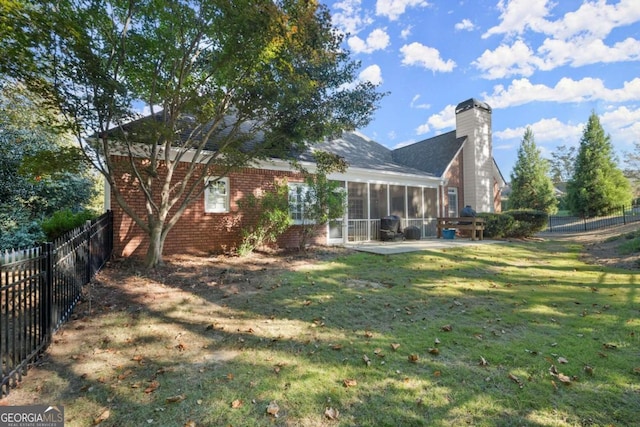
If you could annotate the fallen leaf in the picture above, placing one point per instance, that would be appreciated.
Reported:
(366, 360)
(395, 346)
(436, 341)
(563, 378)
(273, 409)
(516, 380)
(447, 328)
(562, 360)
(368, 334)
(609, 346)
(152, 387)
(483, 361)
(434, 351)
(413, 358)
(190, 423)
(236, 404)
(350, 382)
(331, 413)
(588, 369)
(336, 347)
(636, 370)
(137, 358)
(437, 373)
(102, 417)
(181, 347)
(175, 399)
(125, 374)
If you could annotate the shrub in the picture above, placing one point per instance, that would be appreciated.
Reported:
(527, 222)
(63, 221)
(17, 229)
(497, 225)
(273, 218)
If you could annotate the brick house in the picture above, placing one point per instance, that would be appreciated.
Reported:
(420, 182)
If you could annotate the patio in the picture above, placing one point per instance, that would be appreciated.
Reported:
(398, 247)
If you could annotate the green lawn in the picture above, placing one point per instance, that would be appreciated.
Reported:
(520, 334)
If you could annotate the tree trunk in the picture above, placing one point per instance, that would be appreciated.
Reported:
(156, 244)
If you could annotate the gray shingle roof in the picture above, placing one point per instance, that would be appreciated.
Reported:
(431, 155)
(362, 152)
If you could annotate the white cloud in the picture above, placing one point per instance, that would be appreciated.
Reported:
(414, 103)
(406, 32)
(623, 124)
(348, 16)
(466, 25)
(576, 53)
(522, 91)
(392, 9)
(372, 74)
(443, 120)
(594, 19)
(506, 61)
(378, 39)
(518, 15)
(577, 38)
(545, 130)
(425, 56)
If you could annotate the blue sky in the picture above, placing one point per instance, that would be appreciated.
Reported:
(539, 63)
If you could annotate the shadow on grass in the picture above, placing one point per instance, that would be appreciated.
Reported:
(294, 337)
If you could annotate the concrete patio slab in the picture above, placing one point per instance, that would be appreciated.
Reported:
(398, 247)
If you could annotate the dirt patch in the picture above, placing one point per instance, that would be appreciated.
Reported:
(602, 247)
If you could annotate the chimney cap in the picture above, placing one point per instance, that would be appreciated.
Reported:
(472, 103)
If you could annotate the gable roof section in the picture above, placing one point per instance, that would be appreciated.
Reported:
(433, 155)
(363, 153)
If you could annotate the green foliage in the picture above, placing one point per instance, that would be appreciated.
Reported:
(65, 220)
(561, 164)
(39, 172)
(530, 184)
(497, 225)
(17, 229)
(323, 199)
(218, 73)
(597, 184)
(527, 222)
(516, 223)
(273, 218)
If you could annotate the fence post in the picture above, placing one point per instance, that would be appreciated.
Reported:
(89, 268)
(46, 299)
(624, 215)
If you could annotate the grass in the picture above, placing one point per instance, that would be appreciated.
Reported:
(518, 334)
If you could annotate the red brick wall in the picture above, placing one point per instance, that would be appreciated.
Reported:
(197, 232)
(454, 178)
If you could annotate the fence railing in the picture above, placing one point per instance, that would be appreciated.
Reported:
(39, 287)
(576, 224)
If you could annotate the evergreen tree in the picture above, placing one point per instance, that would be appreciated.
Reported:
(531, 187)
(597, 184)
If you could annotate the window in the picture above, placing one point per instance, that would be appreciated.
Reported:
(453, 202)
(297, 197)
(216, 195)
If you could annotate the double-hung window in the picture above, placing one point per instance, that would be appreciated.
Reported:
(298, 199)
(452, 202)
(216, 195)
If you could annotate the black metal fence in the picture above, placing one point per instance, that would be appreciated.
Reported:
(575, 224)
(39, 287)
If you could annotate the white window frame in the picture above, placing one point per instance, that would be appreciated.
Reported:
(215, 200)
(297, 192)
(452, 194)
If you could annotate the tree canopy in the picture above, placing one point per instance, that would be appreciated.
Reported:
(39, 171)
(531, 187)
(226, 82)
(597, 184)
